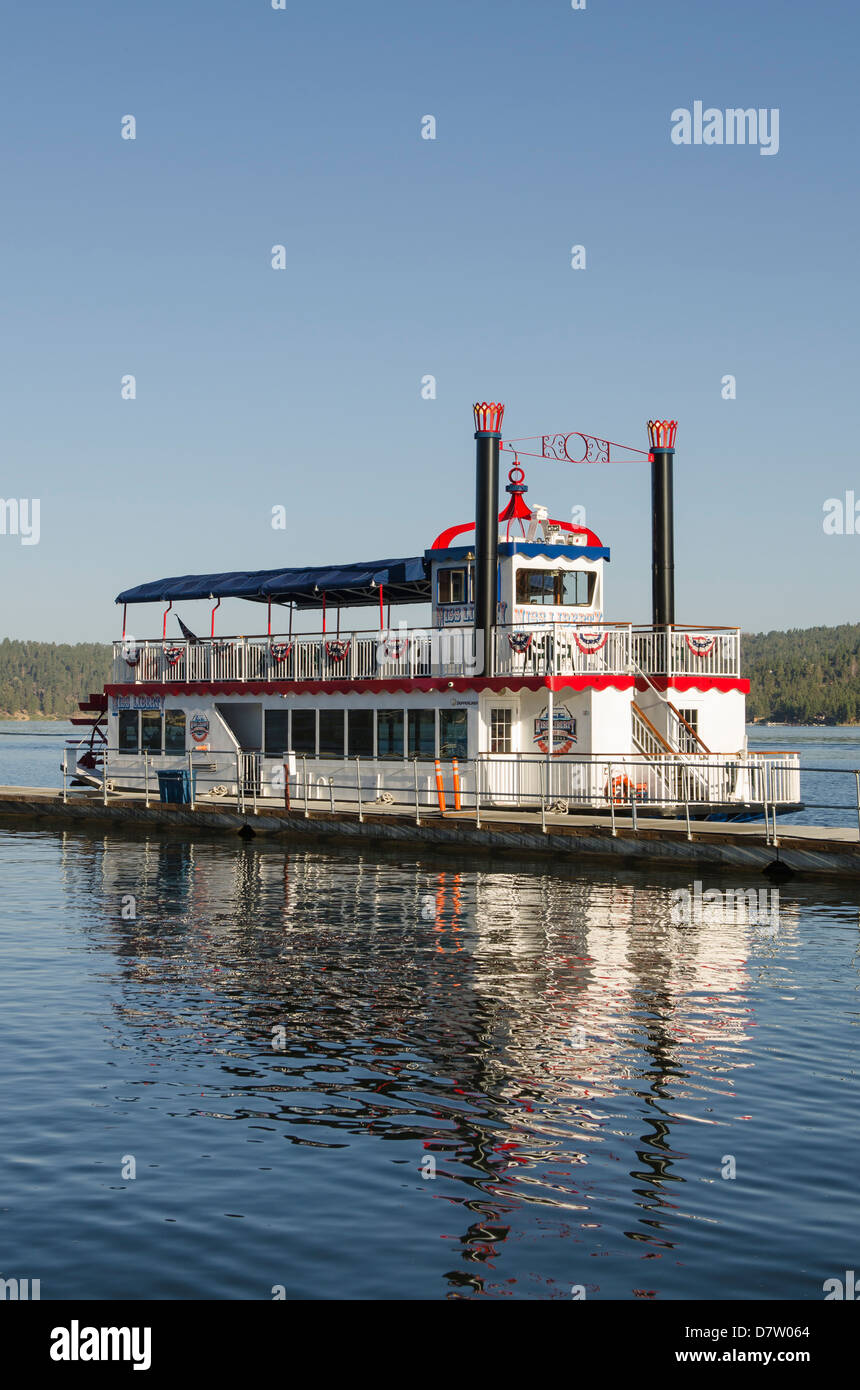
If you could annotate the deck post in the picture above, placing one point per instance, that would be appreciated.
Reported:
(66, 773)
(415, 781)
(305, 781)
(331, 794)
(633, 807)
(146, 780)
(611, 800)
(477, 793)
(857, 780)
(191, 780)
(765, 805)
(686, 783)
(358, 784)
(104, 776)
(542, 800)
(550, 737)
(240, 795)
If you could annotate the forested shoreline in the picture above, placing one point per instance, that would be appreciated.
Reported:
(45, 680)
(803, 676)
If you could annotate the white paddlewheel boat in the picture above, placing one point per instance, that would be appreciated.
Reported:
(515, 688)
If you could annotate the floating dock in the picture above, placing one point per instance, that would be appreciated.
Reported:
(806, 851)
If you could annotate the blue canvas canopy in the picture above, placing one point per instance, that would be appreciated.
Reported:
(356, 585)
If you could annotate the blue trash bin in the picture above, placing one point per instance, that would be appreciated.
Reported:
(175, 787)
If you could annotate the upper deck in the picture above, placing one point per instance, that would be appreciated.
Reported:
(541, 649)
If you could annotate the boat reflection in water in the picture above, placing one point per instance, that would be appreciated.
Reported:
(506, 1083)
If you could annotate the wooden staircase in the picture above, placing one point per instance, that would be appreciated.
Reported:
(675, 773)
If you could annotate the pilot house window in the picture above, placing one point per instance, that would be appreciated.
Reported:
(451, 586)
(559, 588)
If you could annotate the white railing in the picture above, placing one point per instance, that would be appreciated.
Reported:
(555, 649)
(687, 651)
(541, 649)
(606, 783)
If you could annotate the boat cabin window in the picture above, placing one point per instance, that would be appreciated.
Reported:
(331, 733)
(174, 731)
(304, 733)
(453, 733)
(560, 588)
(127, 741)
(422, 733)
(389, 733)
(276, 736)
(451, 586)
(150, 731)
(360, 733)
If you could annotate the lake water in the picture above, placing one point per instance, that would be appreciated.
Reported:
(358, 1077)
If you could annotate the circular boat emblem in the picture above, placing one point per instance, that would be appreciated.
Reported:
(199, 726)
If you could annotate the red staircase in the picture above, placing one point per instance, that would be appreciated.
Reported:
(88, 753)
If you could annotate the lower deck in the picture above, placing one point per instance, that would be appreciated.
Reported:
(526, 746)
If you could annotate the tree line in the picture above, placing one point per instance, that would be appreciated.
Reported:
(47, 679)
(804, 676)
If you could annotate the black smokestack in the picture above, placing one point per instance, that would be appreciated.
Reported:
(488, 433)
(661, 434)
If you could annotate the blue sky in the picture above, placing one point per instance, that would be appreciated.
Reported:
(408, 257)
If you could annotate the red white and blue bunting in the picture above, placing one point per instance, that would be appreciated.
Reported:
(280, 650)
(700, 646)
(337, 651)
(396, 647)
(131, 655)
(591, 643)
(173, 655)
(520, 641)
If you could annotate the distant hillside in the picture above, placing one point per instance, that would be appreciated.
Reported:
(46, 679)
(804, 676)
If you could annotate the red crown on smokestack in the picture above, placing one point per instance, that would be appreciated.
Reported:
(661, 433)
(488, 417)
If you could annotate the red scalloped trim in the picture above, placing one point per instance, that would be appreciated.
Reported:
(374, 687)
(696, 683)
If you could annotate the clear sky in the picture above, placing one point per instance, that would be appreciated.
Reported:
(408, 257)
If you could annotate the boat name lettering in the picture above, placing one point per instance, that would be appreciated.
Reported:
(139, 702)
